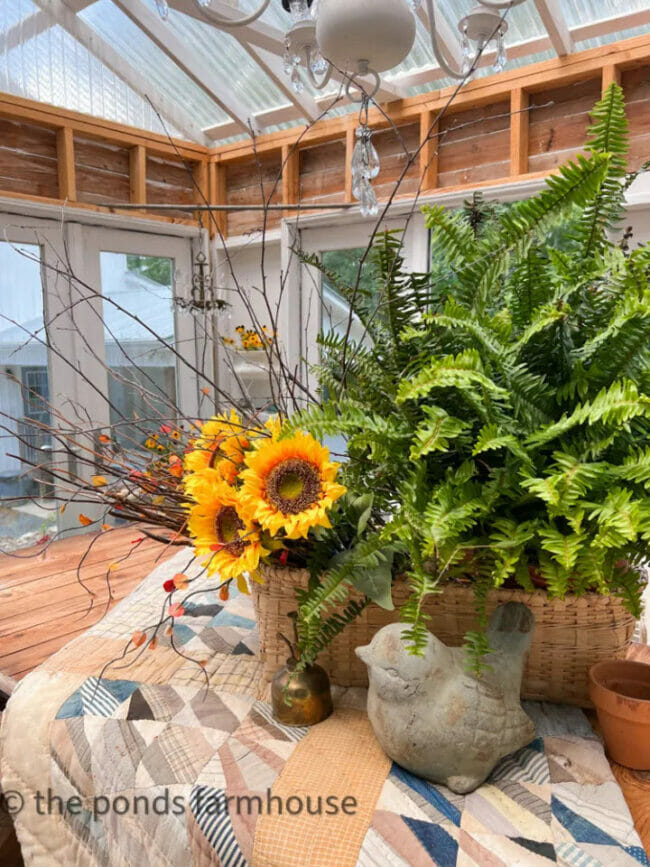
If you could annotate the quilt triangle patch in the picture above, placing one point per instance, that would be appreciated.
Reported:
(546, 850)
(430, 792)
(439, 844)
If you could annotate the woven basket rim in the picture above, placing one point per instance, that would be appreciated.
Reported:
(462, 588)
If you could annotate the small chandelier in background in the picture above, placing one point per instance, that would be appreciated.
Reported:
(202, 298)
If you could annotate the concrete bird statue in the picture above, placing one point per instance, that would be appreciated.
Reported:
(437, 720)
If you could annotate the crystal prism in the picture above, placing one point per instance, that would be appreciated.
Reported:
(163, 9)
(296, 80)
(368, 204)
(502, 57)
(318, 63)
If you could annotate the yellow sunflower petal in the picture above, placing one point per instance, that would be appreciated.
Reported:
(289, 486)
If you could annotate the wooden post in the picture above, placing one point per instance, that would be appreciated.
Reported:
(611, 75)
(350, 141)
(138, 174)
(66, 164)
(429, 150)
(200, 175)
(519, 105)
(218, 196)
(290, 174)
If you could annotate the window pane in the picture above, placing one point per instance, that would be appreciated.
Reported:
(335, 310)
(143, 381)
(24, 392)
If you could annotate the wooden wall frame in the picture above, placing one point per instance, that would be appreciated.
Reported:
(529, 140)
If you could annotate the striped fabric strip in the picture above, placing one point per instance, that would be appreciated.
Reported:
(572, 854)
(210, 809)
(292, 733)
(96, 699)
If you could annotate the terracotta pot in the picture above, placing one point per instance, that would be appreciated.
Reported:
(620, 689)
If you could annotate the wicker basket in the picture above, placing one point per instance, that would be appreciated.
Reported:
(570, 634)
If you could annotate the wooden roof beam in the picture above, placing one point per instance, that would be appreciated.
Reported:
(592, 30)
(447, 39)
(304, 104)
(556, 26)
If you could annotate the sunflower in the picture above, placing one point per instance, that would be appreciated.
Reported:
(220, 447)
(290, 485)
(223, 531)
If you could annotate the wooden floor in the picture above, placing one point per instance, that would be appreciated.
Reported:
(43, 605)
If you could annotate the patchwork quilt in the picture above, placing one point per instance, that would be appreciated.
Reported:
(140, 763)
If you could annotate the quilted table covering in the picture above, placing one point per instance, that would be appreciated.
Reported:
(141, 764)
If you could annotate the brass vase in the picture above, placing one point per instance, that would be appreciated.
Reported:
(301, 698)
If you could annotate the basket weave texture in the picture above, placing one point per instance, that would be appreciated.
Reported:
(570, 634)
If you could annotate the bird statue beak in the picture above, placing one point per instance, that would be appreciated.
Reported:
(362, 653)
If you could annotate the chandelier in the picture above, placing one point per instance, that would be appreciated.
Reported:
(202, 296)
(361, 39)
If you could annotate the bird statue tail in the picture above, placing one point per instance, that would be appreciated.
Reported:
(510, 633)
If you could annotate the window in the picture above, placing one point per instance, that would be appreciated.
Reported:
(139, 293)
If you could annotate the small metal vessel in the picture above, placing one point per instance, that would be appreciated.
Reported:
(301, 698)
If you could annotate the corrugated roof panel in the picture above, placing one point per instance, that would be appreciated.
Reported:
(165, 76)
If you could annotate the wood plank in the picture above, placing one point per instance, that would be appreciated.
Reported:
(519, 103)
(66, 161)
(43, 606)
(429, 150)
(611, 75)
(558, 71)
(350, 142)
(218, 196)
(138, 175)
(290, 175)
(108, 131)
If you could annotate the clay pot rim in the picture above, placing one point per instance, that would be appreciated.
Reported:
(618, 704)
(599, 668)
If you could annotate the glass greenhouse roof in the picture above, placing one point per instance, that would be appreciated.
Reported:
(118, 60)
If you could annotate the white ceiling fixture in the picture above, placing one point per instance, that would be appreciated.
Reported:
(360, 40)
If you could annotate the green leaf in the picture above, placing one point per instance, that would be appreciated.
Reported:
(375, 582)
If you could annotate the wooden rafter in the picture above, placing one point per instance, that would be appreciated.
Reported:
(168, 41)
(537, 45)
(447, 39)
(271, 65)
(60, 12)
(556, 26)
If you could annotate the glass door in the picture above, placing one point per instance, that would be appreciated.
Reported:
(149, 349)
(27, 513)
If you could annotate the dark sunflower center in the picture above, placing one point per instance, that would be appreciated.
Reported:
(293, 485)
(227, 525)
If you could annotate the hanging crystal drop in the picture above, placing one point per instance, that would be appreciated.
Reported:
(467, 53)
(205, 3)
(299, 10)
(502, 57)
(318, 63)
(163, 9)
(368, 204)
(287, 58)
(415, 5)
(296, 80)
(364, 167)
